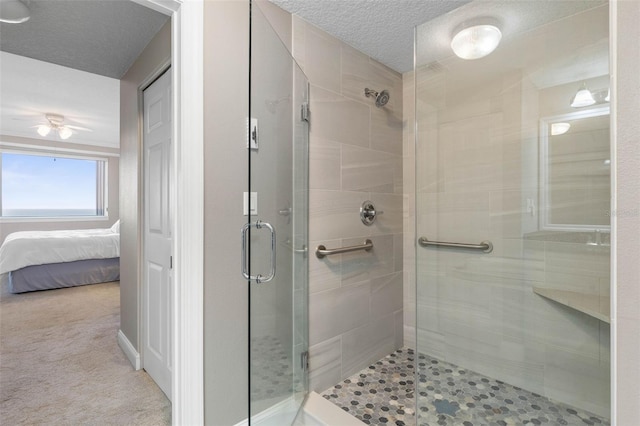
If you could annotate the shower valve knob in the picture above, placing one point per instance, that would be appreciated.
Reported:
(368, 213)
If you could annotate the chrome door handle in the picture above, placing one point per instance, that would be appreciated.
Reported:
(258, 278)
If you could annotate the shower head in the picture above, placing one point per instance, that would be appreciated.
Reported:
(381, 98)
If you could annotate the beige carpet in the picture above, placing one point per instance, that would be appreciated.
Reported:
(60, 362)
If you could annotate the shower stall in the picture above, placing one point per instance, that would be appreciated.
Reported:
(513, 325)
(497, 309)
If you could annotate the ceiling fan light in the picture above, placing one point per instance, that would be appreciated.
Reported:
(13, 12)
(64, 132)
(583, 98)
(476, 41)
(43, 130)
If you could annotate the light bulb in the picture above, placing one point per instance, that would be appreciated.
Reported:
(64, 132)
(43, 130)
(476, 42)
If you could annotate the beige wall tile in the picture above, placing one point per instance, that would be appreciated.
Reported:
(361, 265)
(325, 364)
(324, 164)
(322, 59)
(356, 71)
(349, 166)
(325, 273)
(338, 119)
(334, 215)
(367, 344)
(390, 221)
(578, 380)
(399, 331)
(386, 129)
(386, 294)
(368, 170)
(334, 312)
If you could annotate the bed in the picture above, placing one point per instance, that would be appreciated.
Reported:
(43, 260)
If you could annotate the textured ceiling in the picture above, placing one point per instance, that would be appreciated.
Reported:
(100, 37)
(383, 29)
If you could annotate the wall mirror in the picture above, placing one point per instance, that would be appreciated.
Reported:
(575, 170)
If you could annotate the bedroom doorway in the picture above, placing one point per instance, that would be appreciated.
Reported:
(157, 283)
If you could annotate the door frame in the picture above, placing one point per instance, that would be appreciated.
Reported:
(187, 194)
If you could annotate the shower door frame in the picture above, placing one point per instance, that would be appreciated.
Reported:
(278, 173)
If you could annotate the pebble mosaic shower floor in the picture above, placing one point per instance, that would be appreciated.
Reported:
(383, 394)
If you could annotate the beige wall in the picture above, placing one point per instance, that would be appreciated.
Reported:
(157, 53)
(114, 212)
(226, 67)
(626, 268)
(355, 302)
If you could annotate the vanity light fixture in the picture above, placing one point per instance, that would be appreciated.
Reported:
(583, 97)
(476, 40)
(14, 12)
(559, 128)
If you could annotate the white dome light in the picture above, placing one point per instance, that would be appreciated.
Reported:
(13, 12)
(559, 128)
(476, 41)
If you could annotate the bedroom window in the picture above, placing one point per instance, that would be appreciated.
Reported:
(46, 186)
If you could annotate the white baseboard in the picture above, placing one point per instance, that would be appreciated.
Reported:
(130, 352)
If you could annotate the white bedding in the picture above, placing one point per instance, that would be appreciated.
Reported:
(21, 249)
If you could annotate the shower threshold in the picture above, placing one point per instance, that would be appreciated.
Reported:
(383, 394)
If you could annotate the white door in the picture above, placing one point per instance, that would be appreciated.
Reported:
(157, 286)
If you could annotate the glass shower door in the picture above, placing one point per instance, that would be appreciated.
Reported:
(276, 230)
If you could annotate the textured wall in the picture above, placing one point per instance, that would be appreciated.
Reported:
(625, 18)
(157, 52)
(355, 303)
(114, 212)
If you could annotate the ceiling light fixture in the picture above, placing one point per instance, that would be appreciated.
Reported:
(583, 97)
(559, 128)
(477, 39)
(55, 122)
(13, 12)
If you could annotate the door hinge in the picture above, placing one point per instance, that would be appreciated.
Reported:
(304, 361)
(305, 113)
(252, 139)
(170, 262)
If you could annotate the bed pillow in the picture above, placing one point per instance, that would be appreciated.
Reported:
(116, 227)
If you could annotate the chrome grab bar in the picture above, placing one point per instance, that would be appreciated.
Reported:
(290, 246)
(322, 251)
(258, 278)
(485, 246)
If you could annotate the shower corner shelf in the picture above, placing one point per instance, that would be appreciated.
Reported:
(590, 304)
